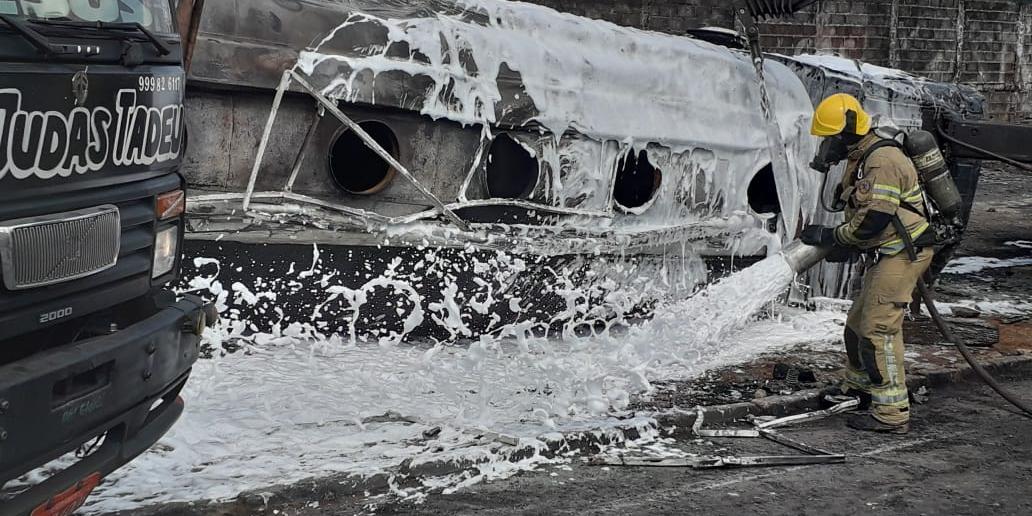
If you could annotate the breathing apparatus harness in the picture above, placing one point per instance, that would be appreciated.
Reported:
(941, 199)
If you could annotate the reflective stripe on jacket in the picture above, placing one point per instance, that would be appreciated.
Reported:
(887, 180)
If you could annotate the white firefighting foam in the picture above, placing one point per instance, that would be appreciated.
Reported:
(975, 264)
(597, 90)
(298, 404)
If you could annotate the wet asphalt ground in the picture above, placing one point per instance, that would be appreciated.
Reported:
(967, 453)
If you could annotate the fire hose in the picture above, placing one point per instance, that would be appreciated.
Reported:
(802, 257)
(926, 296)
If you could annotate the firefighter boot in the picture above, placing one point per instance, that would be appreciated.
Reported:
(868, 423)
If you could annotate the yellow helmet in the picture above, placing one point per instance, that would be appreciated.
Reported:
(830, 117)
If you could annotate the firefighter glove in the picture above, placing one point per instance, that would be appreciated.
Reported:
(821, 236)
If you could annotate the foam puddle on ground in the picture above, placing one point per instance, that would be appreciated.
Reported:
(298, 408)
(975, 264)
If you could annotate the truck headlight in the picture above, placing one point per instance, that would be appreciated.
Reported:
(166, 248)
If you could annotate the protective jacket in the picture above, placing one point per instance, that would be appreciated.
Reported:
(876, 187)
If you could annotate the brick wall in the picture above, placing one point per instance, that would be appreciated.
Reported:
(987, 44)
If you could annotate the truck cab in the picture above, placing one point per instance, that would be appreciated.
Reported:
(94, 346)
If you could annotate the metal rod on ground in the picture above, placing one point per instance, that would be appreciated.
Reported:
(720, 462)
(792, 443)
(727, 432)
(380, 151)
(776, 460)
(810, 416)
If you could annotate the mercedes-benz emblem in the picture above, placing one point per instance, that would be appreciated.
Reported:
(80, 87)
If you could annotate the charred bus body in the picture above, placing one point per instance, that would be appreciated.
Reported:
(425, 161)
(94, 347)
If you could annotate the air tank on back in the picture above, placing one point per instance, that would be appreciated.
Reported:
(935, 176)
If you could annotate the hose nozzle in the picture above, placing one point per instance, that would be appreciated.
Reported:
(802, 257)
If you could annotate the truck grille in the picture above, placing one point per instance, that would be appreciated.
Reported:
(52, 249)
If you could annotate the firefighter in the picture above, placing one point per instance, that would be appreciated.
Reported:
(885, 218)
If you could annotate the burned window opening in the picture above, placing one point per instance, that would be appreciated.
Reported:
(763, 192)
(637, 181)
(357, 169)
(512, 172)
(763, 196)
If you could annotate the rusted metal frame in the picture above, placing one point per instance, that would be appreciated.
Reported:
(464, 201)
(611, 195)
(483, 203)
(291, 196)
(631, 241)
(324, 104)
(404, 219)
(188, 21)
(475, 167)
(264, 143)
(357, 212)
(300, 158)
(537, 237)
(379, 150)
(530, 205)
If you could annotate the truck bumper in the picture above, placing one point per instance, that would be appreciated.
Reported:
(123, 386)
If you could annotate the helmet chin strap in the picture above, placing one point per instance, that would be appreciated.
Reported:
(850, 127)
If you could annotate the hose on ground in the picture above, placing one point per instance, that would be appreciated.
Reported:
(926, 296)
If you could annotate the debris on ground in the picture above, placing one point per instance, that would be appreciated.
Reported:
(762, 428)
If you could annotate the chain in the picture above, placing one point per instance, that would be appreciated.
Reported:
(752, 34)
(778, 156)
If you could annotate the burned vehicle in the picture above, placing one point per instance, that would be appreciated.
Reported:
(380, 170)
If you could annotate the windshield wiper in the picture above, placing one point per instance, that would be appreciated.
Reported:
(162, 48)
(34, 38)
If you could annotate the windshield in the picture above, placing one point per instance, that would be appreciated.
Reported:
(155, 15)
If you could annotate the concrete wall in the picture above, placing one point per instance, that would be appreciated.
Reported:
(987, 44)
